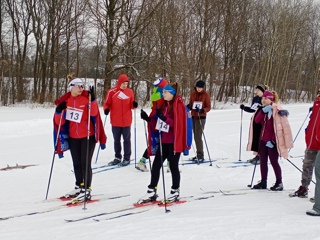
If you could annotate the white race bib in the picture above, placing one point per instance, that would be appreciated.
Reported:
(197, 104)
(74, 114)
(162, 126)
(255, 106)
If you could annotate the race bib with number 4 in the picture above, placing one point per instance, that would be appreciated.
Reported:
(74, 114)
(162, 126)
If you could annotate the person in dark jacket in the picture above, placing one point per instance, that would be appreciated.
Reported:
(256, 103)
(200, 105)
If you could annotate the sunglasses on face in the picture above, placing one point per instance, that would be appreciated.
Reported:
(77, 85)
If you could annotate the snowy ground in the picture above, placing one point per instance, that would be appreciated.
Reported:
(26, 138)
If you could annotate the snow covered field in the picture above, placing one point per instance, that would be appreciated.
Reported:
(26, 138)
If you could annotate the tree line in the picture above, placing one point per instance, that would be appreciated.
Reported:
(230, 44)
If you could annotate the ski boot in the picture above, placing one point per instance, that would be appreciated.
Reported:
(278, 186)
(255, 160)
(83, 196)
(142, 165)
(261, 185)
(302, 192)
(150, 196)
(173, 196)
(73, 193)
(125, 162)
(116, 161)
(313, 213)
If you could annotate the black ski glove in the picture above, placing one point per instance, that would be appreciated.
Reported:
(198, 110)
(283, 113)
(91, 91)
(144, 116)
(310, 109)
(242, 106)
(135, 104)
(106, 111)
(160, 115)
(61, 107)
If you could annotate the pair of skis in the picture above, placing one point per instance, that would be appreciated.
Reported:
(66, 205)
(131, 210)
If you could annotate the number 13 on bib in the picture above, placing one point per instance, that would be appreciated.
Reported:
(74, 114)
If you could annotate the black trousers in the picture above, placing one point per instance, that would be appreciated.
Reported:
(145, 154)
(78, 149)
(256, 127)
(125, 132)
(167, 153)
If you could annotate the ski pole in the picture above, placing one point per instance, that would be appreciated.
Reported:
(87, 156)
(104, 124)
(300, 129)
(205, 141)
(135, 139)
(298, 169)
(164, 186)
(54, 152)
(240, 134)
(254, 171)
(145, 133)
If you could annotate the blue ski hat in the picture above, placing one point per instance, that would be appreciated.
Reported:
(170, 89)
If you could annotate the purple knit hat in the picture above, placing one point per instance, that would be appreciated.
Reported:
(269, 95)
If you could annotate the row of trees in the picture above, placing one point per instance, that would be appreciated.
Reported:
(230, 44)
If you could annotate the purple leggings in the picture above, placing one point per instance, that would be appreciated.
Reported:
(272, 153)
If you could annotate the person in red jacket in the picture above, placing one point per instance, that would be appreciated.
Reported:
(120, 102)
(313, 146)
(200, 105)
(171, 122)
(311, 151)
(72, 115)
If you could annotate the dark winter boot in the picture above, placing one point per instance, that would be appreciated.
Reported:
(278, 186)
(125, 162)
(116, 161)
(301, 192)
(261, 185)
(255, 160)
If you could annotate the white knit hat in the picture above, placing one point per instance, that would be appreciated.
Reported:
(75, 81)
